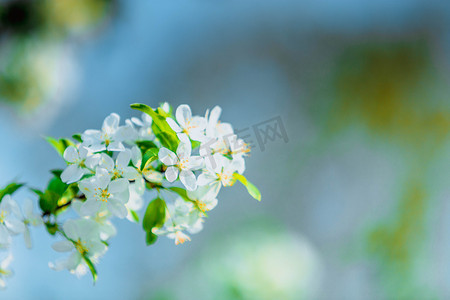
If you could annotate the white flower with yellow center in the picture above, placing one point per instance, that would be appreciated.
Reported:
(102, 193)
(186, 124)
(30, 219)
(146, 171)
(180, 216)
(80, 161)
(221, 174)
(204, 197)
(214, 127)
(120, 168)
(10, 223)
(110, 138)
(145, 131)
(181, 163)
(83, 240)
(106, 228)
(4, 271)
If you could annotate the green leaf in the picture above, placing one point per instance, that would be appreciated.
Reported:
(56, 189)
(134, 215)
(252, 189)
(77, 137)
(155, 216)
(91, 267)
(10, 189)
(160, 127)
(145, 145)
(168, 140)
(150, 238)
(59, 145)
(180, 191)
(57, 173)
(149, 156)
(51, 228)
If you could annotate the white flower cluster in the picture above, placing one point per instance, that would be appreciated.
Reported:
(14, 222)
(114, 167)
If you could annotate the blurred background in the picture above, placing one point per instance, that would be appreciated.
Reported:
(355, 189)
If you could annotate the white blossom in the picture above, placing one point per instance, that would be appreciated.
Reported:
(186, 124)
(4, 270)
(30, 219)
(180, 216)
(80, 161)
(102, 193)
(182, 163)
(10, 220)
(110, 138)
(84, 240)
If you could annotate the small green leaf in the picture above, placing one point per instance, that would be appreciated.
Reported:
(149, 156)
(252, 189)
(150, 238)
(180, 191)
(145, 145)
(59, 145)
(160, 127)
(51, 228)
(77, 137)
(155, 216)
(57, 173)
(10, 189)
(56, 189)
(134, 215)
(91, 267)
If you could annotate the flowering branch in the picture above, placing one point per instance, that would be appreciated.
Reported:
(110, 171)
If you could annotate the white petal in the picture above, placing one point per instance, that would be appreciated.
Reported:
(90, 207)
(117, 208)
(97, 248)
(183, 114)
(173, 125)
(184, 150)
(111, 123)
(188, 179)
(171, 174)
(97, 147)
(102, 178)
(11, 205)
(195, 162)
(136, 156)
(71, 174)
(205, 178)
(63, 246)
(27, 238)
(123, 159)
(92, 161)
(91, 136)
(118, 186)
(73, 261)
(116, 146)
(71, 229)
(137, 121)
(15, 226)
(71, 154)
(5, 237)
(28, 208)
(199, 122)
(131, 173)
(167, 157)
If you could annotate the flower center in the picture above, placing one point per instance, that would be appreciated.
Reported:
(81, 247)
(225, 179)
(182, 164)
(3, 215)
(103, 195)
